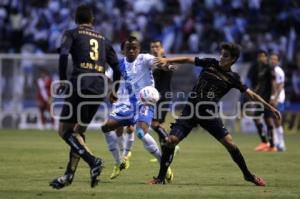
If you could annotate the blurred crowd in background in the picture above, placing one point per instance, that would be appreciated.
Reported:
(184, 26)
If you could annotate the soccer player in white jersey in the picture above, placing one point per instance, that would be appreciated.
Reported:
(277, 100)
(136, 70)
(122, 151)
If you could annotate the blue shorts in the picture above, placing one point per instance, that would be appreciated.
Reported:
(145, 114)
(124, 114)
(127, 115)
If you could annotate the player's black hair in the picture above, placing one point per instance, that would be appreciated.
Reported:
(233, 49)
(132, 39)
(261, 51)
(84, 14)
(156, 41)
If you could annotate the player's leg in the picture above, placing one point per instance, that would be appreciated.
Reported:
(262, 135)
(120, 138)
(42, 110)
(129, 140)
(48, 109)
(216, 128)
(122, 115)
(161, 113)
(240, 161)
(270, 131)
(112, 142)
(73, 156)
(160, 131)
(280, 145)
(67, 178)
(144, 120)
(179, 130)
(84, 109)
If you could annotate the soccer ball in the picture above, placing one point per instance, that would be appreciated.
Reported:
(149, 95)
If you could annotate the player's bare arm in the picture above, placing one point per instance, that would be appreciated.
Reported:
(174, 60)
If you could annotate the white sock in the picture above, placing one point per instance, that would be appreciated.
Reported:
(113, 147)
(275, 137)
(120, 140)
(280, 136)
(128, 143)
(151, 146)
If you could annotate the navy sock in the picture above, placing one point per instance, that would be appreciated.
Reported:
(162, 134)
(77, 148)
(240, 161)
(270, 136)
(262, 135)
(166, 160)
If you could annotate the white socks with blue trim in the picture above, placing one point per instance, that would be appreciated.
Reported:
(113, 147)
(129, 140)
(151, 146)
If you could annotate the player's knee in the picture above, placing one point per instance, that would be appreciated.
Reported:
(154, 124)
(140, 133)
(130, 129)
(105, 129)
(174, 140)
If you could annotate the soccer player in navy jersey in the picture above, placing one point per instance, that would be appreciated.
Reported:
(214, 82)
(90, 52)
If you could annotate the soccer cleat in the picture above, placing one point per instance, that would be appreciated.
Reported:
(61, 181)
(256, 180)
(272, 149)
(116, 172)
(125, 164)
(96, 171)
(169, 176)
(281, 149)
(156, 181)
(128, 155)
(262, 146)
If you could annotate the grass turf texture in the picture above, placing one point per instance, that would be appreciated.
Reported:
(203, 169)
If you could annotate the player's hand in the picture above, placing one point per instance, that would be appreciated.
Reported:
(276, 114)
(112, 98)
(161, 63)
(61, 88)
(172, 67)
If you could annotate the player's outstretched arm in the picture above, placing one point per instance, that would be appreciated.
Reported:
(174, 60)
(253, 96)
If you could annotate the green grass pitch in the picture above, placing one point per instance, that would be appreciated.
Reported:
(203, 169)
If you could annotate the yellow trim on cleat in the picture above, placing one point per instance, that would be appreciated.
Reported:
(116, 172)
(126, 162)
(169, 176)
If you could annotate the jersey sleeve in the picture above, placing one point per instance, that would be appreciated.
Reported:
(237, 83)
(206, 62)
(279, 76)
(149, 59)
(66, 43)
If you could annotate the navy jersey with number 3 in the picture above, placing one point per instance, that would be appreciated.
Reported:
(90, 52)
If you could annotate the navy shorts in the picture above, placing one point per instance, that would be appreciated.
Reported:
(182, 127)
(162, 108)
(78, 109)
